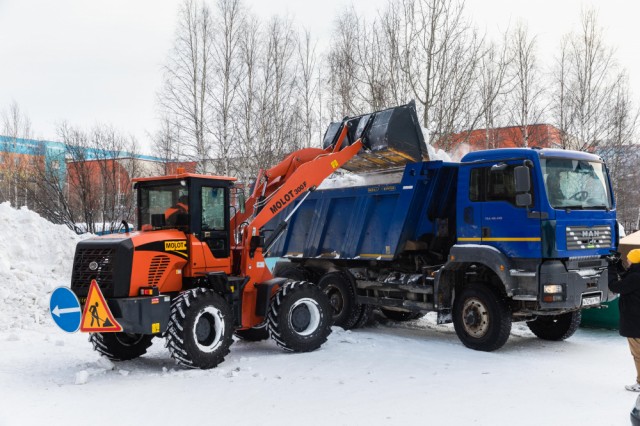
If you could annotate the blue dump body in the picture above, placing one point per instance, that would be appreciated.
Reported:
(376, 221)
(437, 204)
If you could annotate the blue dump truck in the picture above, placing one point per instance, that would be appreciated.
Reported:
(504, 235)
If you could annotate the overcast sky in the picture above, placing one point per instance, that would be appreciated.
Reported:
(98, 61)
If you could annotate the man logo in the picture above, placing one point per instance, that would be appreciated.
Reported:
(93, 266)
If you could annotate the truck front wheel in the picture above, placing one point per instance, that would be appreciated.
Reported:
(299, 317)
(481, 318)
(200, 329)
(120, 346)
(556, 327)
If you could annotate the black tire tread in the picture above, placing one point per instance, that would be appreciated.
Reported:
(110, 346)
(179, 344)
(556, 328)
(500, 315)
(351, 311)
(278, 329)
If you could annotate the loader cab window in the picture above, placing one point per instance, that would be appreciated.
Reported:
(213, 209)
(163, 206)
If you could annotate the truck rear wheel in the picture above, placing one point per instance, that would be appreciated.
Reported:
(120, 346)
(556, 327)
(365, 316)
(342, 298)
(200, 329)
(299, 317)
(291, 271)
(481, 318)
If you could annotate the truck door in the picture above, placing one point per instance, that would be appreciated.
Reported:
(513, 230)
(469, 205)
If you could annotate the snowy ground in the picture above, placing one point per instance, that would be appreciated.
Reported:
(413, 373)
(386, 374)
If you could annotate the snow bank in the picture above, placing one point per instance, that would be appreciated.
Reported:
(37, 257)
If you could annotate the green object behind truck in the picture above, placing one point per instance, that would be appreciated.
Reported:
(608, 317)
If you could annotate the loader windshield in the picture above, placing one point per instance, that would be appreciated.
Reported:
(162, 206)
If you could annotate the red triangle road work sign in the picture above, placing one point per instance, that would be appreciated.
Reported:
(97, 316)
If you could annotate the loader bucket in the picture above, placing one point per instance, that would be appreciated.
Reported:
(391, 137)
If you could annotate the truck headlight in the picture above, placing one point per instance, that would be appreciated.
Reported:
(552, 288)
(553, 293)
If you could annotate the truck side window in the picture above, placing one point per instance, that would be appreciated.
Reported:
(475, 184)
(501, 185)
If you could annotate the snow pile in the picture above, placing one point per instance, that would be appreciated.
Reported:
(37, 257)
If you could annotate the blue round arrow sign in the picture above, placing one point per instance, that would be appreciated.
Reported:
(65, 309)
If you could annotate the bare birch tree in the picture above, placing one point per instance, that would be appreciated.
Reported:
(185, 98)
(308, 88)
(228, 22)
(527, 92)
(585, 78)
(491, 88)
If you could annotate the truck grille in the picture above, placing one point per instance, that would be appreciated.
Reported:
(588, 237)
(93, 263)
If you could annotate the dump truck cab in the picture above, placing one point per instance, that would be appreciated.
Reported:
(546, 217)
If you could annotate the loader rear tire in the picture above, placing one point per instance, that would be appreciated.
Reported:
(254, 334)
(200, 329)
(342, 298)
(120, 346)
(557, 327)
(299, 317)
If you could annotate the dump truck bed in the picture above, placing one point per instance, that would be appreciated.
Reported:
(374, 222)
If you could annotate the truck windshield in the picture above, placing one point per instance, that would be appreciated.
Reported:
(576, 184)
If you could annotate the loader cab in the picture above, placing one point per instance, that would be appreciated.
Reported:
(198, 205)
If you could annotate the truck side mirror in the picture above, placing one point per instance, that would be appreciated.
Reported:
(524, 200)
(522, 178)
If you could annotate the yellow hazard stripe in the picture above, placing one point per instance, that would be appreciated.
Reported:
(503, 239)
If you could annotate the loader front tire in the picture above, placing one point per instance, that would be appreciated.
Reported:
(299, 317)
(120, 346)
(200, 329)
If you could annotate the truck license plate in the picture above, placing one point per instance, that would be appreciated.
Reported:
(590, 300)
